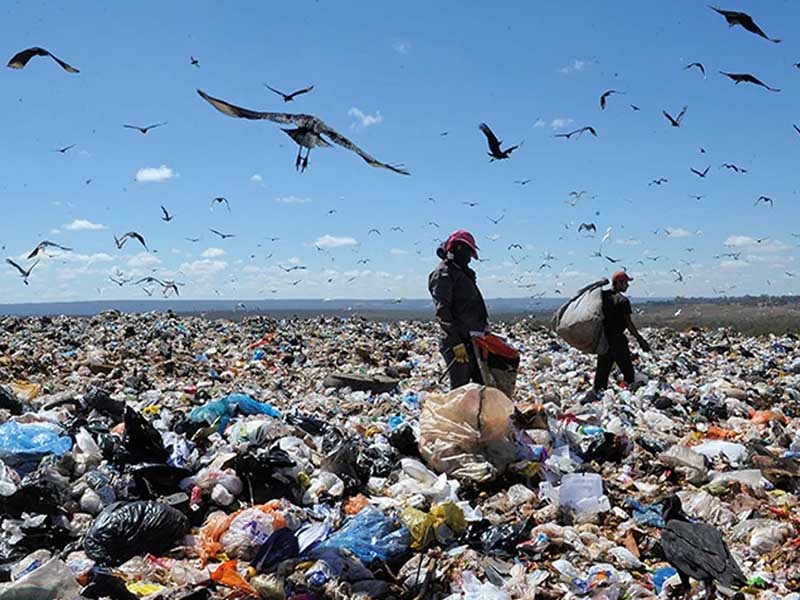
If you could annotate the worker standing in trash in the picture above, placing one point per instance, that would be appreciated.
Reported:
(460, 308)
(616, 319)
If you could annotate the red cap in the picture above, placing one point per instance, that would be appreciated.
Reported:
(620, 276)
(464, 236)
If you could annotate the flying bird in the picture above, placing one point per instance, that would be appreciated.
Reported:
(604, 97)
(732, 167)
(634, 107)
(470, 204)
(399, 229)
(194, 62)
(743, 20)
(698, 66)
(374, 230)
(497, 220)
(64, 149)
(494, 144)
(127, 236)
(308, 133)
(696, 197)
(23, 273)
(290, 97)
(765, 200)
(223, 236)
(167, 217)
(747, 78)
(221, 200)
(579, 132)
(675, 121)
(522, 181)
(796, 128)
(659, 181)
(145, 129)
(678, 275)
(292, 268)
(700, 174)
(612, 260)
(512, 246)
(46, 244)
(192, 239)
(697, 551)
(587, 227)
(20, 59)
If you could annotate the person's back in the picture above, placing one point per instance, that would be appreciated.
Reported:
(616, 307)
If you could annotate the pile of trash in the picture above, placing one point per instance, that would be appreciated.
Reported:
(175, 458)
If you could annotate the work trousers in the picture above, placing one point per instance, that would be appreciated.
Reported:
(618, 353)
(462, 373)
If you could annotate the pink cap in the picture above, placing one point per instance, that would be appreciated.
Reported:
(462, 235)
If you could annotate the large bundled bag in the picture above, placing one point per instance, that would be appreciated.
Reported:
(467, 433)
(579, 322)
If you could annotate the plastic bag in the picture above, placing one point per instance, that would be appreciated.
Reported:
(213, 538)
(282, 544)
(124, 530)
(142, 440)
(228, 575)
(467, 433)
(473, 589)
(227, 407)
(9, 401)
(371, 535)
(579, 322)
(52, 580)
(22, 446)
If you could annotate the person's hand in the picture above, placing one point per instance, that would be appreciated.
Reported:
(644, 345)
(461, 353)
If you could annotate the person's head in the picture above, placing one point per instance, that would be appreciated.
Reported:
(461, 247)
(620, 281)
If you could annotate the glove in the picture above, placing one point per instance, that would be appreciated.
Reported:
(461, 353)
(644, 345)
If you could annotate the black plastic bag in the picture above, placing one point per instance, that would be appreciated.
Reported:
(404, 441)
(142, 441)
(124, 530)
(101, 401)
(282, 544)
(9, 401)
(106, 585)
(498, 540)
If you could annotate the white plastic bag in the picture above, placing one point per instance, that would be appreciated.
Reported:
(579, 322)
(52, 580)
(467, 433)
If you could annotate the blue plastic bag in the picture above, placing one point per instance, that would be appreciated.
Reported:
(661, 575)
(652, 514)
(371, 536)
(28, 443)
(227, 407)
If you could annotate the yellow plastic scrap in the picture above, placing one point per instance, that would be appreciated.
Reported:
(142, 588)
(25, 390)
(151, 410)
(420, 526)
(449, 514)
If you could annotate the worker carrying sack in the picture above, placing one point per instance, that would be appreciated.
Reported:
(579, 322)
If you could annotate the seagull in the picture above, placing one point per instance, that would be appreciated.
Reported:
(147, 291)
(497, 220)
(577, 195)
(292, 268)
(192, 239)
(579, 132)
(470, 204)
(20, 59)
(796, 128)
(64, 149)
(733, 167)
(46, 244)
(144, 129)
(700, 174)
(612, 260)
(587, 227)
(223, 236)
(167, 217)
(678, 275)
(747, 78)
(494, 144)
(765, 199)
(220, 200)
(433, 224)
(696, 197)
(697, 65)
(743, 20)
(374, 230)
(362, 261)
(149, 280)
(120, 281)
(308, 133)
(290, 97)
(634, 107)
(522, 181)
(130, 235)
(675, 121)
(23, 273)
(659, 181)
(654, 258)
(761, 240)
(512, 246)
(398, 229)
(605, 96)
(194, 62)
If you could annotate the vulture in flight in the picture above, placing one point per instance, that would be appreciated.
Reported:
(20, 59)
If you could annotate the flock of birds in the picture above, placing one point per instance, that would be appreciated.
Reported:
(309, 132)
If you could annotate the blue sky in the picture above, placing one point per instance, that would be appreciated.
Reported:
(393, 79)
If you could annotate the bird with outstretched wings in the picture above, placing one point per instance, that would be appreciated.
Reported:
(20, 59)
(290, 97)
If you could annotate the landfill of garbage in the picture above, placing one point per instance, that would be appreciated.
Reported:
(175, 458)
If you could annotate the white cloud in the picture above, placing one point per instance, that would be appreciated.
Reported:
(365, 119)
(561, 122)
(55, 231)
(83, 225)
(143, 260)
(213, 253)
(397, 252)
(678, 232)
(199, 268)
(494, 237)
(402, 46)
(539, 123)
(628, 242)
(330, 241)
(292, 200)
(734, 264)
(752, 244)
(576, 65)
(256, 178)
(295, 260)
(154, 174)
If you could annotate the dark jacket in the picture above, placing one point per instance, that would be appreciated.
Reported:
(459, 304)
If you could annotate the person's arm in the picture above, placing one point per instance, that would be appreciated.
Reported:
(635, 332)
